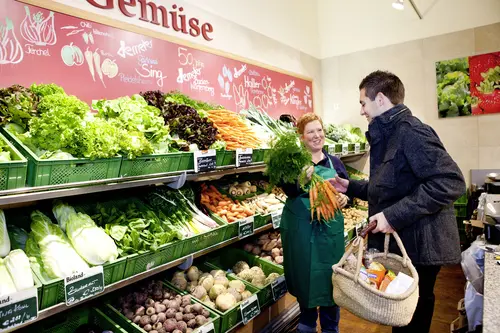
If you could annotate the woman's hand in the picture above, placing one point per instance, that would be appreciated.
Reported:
(308, 171)
(340, 184)
(342, 200)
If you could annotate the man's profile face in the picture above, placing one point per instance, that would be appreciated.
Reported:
(369, 108)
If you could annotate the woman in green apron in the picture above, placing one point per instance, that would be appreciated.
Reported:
(310, 249)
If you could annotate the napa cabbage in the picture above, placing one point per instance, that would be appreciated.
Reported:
(90, 241)
(4, 236)
(18, 265)
(7, 285)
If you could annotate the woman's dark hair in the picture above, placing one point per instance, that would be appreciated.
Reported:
(386, 83)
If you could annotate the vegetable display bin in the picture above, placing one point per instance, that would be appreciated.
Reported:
(228, 259)
(362, 147)
(53, 172)
(130, 327)
(160, 163)
(140, 262)
(53, 289)
(204, 240)
(230, 318)
(261, 220)
(228, 157)
(69, 321)
(258, 155)
(12, 173)
(232, 229)
(349, 235)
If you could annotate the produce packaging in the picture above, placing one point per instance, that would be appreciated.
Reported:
(267, 247)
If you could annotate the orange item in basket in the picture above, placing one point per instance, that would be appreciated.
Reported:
(376, 273)
(385, 283)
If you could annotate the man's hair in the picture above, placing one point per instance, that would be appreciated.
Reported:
(386, 83)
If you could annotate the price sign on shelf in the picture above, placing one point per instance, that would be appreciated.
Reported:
(18, 308)
(244, 157)
(83, 285)
(246, 227)
(208, 328)
(331, 149)
(345, 149)
(250, 309)
(279, 288)
(205, 160)
(357, 148)
(276, 218)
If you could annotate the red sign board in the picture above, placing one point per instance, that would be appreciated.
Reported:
(94, 61)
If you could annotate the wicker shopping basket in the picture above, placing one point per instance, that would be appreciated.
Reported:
(355, 295)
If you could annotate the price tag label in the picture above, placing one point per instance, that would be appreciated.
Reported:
(331, 149)
(205, 160)
(276, 217)
(244, 157)
(357, 148)
(208, 328)
(18, 308)
(83, 285)
(345, 149)
(278, 288)
(246, 227)
(250, 309)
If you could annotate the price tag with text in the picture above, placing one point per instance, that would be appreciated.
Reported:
(250, 309)
(18, 308)
(345, 149)
(331, 149)
(83, 285)
(357, 148)
(208, 328)
(276, 217)
(246, 227)
(205, 160)
(244, 157)
(278, 288)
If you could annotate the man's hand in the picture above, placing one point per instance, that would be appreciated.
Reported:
(340, 184)
(382, 224)
(342, 200)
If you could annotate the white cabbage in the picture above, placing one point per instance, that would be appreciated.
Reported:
(90, 241)
(58, 256)
(7, 286)
(4, 236)
(18, 265)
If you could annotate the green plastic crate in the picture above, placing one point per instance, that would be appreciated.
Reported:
(261, 220)
(349, 236)
(53, 290)
(130, 327)
(460, 211)
(69, 321)
(362, 147)
(203, 241)
(232, 229)
(160, 163)
(137, 263)
(228, 259)
(13, 173)
(231, 317)
(52, 172)
(228, 157)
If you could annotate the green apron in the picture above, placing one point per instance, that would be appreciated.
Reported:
(310, 250)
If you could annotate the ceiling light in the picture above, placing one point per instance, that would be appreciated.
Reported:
(399, 5)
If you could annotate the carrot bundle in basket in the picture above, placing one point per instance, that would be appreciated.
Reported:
(233, 130)
(323, 199)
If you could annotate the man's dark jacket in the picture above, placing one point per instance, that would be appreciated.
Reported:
(414, 182)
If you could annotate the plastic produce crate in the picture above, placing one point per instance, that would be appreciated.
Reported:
(205, 240)
(232, 229)
(130, 327)
(160, 163)
(69, 321)
(13, 173)
(228, 157)
(231, 317)
(140, 262)
(228, 259)
(262, 220)
(52, 172)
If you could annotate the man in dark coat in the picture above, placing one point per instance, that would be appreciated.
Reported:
(412, 187)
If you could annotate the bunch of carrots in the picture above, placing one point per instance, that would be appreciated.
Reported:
(323, 199)
(233, 130)
(223, 206)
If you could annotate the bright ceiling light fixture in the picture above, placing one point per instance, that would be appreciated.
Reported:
(398, 4)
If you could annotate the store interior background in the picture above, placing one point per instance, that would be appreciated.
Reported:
(337, 42)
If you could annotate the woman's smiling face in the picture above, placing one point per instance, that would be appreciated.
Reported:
(314, 137)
